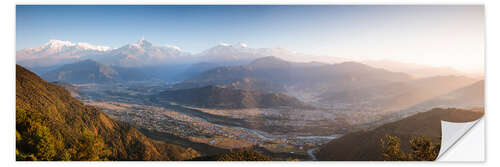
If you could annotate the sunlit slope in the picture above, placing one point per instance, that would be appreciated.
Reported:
(51, 125)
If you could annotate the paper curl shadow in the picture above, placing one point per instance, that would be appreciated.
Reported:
(451, 132)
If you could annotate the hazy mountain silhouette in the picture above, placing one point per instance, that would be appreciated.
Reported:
(469, 96)
(228, 98)
(399, 95)
(90, 71)
(415, 70)
(314, 76)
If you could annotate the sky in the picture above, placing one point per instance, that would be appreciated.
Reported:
(436, 35)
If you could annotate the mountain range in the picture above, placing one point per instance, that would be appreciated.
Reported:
(348, 83)
(276, 74)
(143, 53)
(170, 63)
(57, 52)
(140, 54)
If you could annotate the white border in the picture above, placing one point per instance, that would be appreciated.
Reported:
(268, 2)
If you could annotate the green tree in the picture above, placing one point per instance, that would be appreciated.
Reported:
(244, 155)
(91, 147)
(45, 146)
(391, 149)
(422, 149)
(35, 140)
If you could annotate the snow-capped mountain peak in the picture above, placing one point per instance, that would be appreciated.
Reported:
(140, 53)
(173, 47)
(242, 45)
(53, 43)
(87, 46)
(59, 44)
(237, 45)
(144, 44)
(56, 52)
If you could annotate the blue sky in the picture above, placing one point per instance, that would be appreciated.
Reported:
(422, 34)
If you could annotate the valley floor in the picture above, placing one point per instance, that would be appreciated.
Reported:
(283, 133)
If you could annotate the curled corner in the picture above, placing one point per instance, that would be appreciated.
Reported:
(451, 132)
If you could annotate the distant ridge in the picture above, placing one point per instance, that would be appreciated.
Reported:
(228, 98)
(90, 71)
(470, 96)
(400, 95)
(315, 77)
(85, 71)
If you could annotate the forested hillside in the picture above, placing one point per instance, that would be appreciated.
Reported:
(51, 125)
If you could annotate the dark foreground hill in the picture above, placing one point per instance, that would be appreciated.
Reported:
(243, 155)
(52, 125)
(228, 98)
(365, 146)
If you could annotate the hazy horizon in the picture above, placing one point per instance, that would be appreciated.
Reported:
(439, 35)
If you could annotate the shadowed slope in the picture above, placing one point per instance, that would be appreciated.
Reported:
(222, 97)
